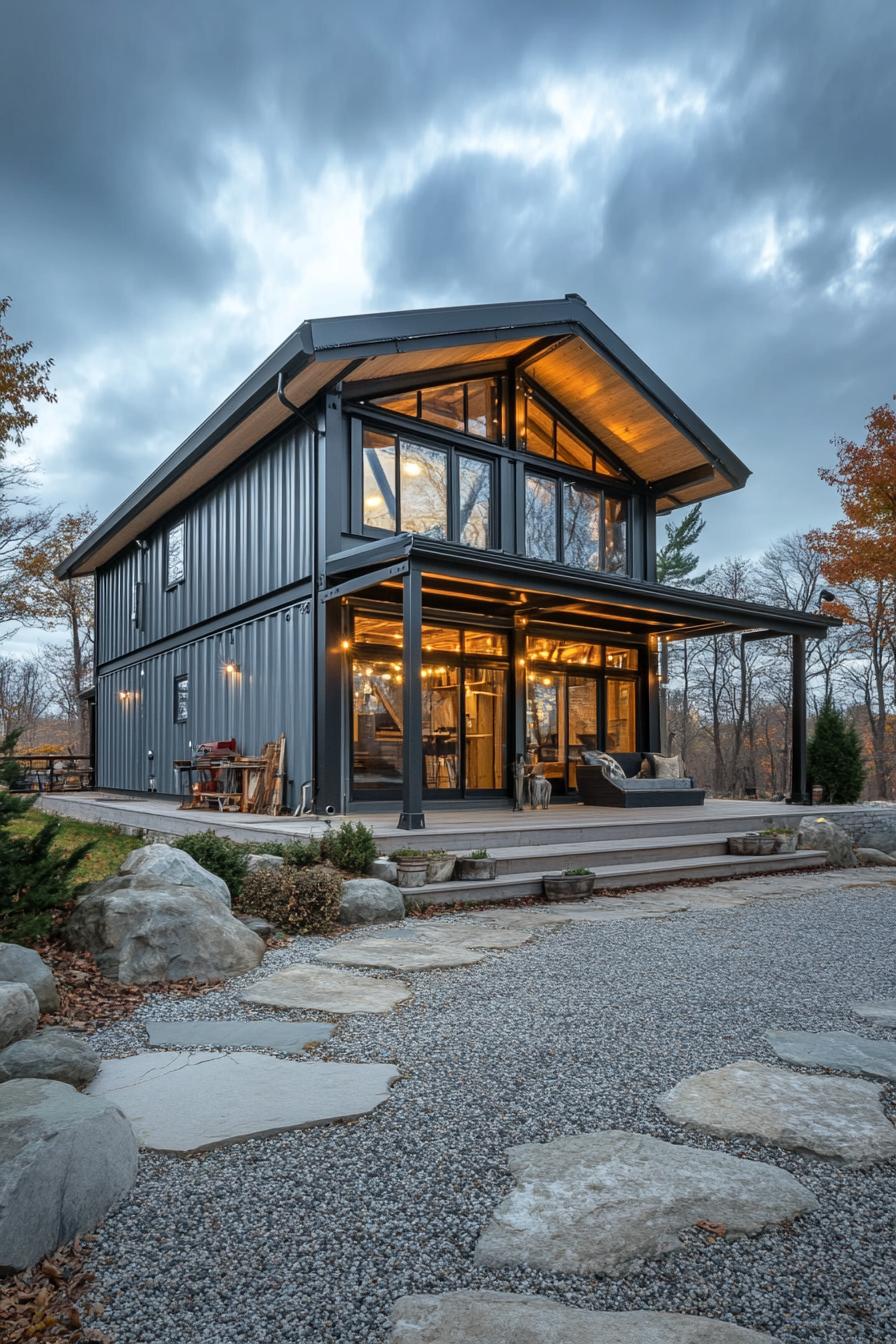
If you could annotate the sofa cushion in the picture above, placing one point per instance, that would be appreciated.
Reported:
(667, 767)
(611, 768)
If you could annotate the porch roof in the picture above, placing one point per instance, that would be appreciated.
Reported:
(454, 576)
(559, 344)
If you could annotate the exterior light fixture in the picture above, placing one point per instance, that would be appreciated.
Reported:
(345, 645)
(232, 669)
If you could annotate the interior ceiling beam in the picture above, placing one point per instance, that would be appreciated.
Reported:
(539, 349)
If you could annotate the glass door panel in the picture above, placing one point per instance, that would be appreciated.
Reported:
(581, 697)
(440, 742)
(546, 725)
(621, 699)
(376, 725)
(485, 721)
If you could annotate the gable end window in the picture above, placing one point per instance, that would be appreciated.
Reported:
(540, 432)
(442, 493)
(181, 698)
(467, 408)
(174, 555)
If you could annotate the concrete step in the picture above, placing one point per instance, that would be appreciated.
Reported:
(515, 886)
(602, 853)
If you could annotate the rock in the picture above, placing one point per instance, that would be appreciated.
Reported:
(484, 1317)
(187, 1103)
(290, 1038)
(173, 867)
(19, 1012)
(140, 931)
(819, 833)
(881, 1011)
(313, 987)
(603, 1203)
(384, 869)
(410, 954)
(369, 900)
(255, 862)
(65, 1160)
(877, 857)
(833, 1117)
(25, 967)
(262, 927)
(843, 1051)
(51, 1053)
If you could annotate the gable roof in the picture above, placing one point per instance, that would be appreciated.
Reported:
(560, 344)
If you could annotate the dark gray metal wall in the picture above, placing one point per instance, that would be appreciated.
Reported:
(248, 536)
(272, 693)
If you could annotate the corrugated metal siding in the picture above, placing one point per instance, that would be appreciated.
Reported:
(246, 537)
(271, 694)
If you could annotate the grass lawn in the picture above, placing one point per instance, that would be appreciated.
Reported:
(110, 847)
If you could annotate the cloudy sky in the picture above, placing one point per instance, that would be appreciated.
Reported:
(184, 183)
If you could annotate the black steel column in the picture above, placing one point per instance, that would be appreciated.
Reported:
(412, 818)
(330, 766)
(798, 790)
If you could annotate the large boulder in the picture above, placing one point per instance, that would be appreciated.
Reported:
(172, 867)
(140, 930)
(65, 1160)
(369, 900)
(819, 833)
(875, 857)
(27, 968)
(51, 1053)
(385, 869)
(19, 1012)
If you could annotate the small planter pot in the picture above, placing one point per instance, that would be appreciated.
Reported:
(475, 870)
(558, 887)
(440, 867)
(412, 872)
(786, 844)
(748, 843)
(767, 844)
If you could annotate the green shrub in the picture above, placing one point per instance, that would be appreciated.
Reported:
(302, 853)
(223, 857)
(35, 878)
(408, 852)
(576, 872)
(350, 847)
(479, 854)
(834, 757)
(298, 900)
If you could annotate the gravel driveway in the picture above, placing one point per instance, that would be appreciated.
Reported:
(308, 1237)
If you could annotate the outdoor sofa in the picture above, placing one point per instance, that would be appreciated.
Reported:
(599, 789)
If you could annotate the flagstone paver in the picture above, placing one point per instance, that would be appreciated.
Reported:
(833, 1117)
(318, 989)
(840, 1050)
(186, 1102)
(290, 1038)
(398, 955)
(881, 1011)
(604, 1202)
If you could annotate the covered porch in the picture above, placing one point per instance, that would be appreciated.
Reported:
(483, 659)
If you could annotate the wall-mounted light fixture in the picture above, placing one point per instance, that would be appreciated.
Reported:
(232, 669)
(345, 645)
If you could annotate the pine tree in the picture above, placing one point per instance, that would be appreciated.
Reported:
(34, 877)
(835, 757)
(675, 561)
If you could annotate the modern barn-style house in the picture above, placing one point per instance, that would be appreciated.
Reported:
(423, 545)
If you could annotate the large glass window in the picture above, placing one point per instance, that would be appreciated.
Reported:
(467, 408)
(539, 431)
(569, 651)
(485, 725)
(376, 724)
(380, 508)
(581, 527)
(424, 490)
(439, 695)
(621, 697)
(474, 478)
(541, 518)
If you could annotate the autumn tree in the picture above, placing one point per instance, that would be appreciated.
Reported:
(43, 600)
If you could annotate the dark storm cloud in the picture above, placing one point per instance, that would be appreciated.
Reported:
(119, 120)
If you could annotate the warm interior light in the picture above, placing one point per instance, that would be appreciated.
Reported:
(411, 468)
(374, 501)
(345, 644)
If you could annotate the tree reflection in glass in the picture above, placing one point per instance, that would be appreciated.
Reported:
(541, 518)
(424, 490)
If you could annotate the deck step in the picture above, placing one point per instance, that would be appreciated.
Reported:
(538, 858)
(516, 886)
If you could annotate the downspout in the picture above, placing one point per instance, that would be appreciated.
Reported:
(315, 568)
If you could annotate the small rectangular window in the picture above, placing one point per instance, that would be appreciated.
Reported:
(474, 500)
(174, 556)
(444, 406)
(379, 480)
(541, 518)
(181, 698)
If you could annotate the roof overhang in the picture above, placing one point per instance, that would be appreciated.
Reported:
(560, 345)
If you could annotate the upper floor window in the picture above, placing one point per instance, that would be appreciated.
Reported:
(174, 555)
(467, 408)
(181, 698)
(568, 522)
(540, 432)
(441, 493)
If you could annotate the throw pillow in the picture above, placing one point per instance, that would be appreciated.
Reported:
(611, 768)
(667, 767)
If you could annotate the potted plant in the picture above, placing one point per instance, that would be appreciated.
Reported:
(440, 866)
(785, 838)
(476, 867)
(412, 865)
(767, 840)
(747, 843)
(571, 882)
